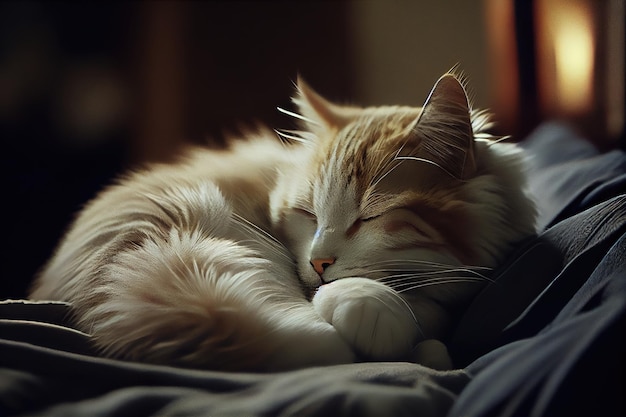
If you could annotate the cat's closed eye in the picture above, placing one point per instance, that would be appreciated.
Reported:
(356, 225)
(370, 218)
(305, 213)
(401, 220)
(354, 228)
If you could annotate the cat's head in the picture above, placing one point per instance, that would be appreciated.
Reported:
(374, 191)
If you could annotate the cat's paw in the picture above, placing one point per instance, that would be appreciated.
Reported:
(370, 316)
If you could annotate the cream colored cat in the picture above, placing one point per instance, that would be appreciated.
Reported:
(366, 234)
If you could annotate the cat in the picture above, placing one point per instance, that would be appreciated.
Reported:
(353, 238)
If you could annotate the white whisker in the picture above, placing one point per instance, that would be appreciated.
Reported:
(420, 279)
(297, 116)
(296, 135)
(447, 280)
(382, 170)
(289, 137)
(500, 139)
(427, 273)
(382, 177)
(400, 262)
(263, 238)
(403, 264)
(406, 304)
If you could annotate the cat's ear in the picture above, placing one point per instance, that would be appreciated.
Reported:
(444, 128)
(319, 113)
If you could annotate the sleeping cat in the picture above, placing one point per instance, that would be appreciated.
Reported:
(355, 238)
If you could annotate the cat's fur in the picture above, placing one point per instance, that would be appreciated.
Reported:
(218, 260)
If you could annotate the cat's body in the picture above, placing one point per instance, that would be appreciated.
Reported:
(218, 260)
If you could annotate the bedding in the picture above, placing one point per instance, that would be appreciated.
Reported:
(545, 338)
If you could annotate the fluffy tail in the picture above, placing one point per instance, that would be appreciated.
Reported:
(205, 302)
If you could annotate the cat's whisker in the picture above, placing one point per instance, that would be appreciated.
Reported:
(297, 116)
(417, 287)
(253, 226)
(289, 137)
(492, 141)
(422, 279)
(452, 270)
(427, 273)
(382, 169)
(474, 272)
(266, 239)
(404, 271)
(295, 135)
(430, 283)
(413, 272)
(401, 262)
(266, 245)
(414, 280)
(409, 309)
(439, 273)
(382, 177)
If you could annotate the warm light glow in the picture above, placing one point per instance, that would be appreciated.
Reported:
(566, 55)
(574, 50)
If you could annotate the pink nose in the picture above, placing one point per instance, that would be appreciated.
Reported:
(320, 264)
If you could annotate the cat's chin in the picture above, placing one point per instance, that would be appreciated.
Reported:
(310, 279)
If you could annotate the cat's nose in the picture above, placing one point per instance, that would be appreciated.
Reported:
(320, 264)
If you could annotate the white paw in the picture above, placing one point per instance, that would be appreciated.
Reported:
(370, 316)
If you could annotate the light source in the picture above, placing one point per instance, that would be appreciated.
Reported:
(560, 59)
(566, 39)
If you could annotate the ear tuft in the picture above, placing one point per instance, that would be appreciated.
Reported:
(319, 113)
(445, 128)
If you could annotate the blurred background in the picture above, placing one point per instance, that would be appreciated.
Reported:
(88, 89)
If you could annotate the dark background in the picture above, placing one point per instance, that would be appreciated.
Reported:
(89, 89)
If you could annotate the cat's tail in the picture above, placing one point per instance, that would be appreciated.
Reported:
(205, 302)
